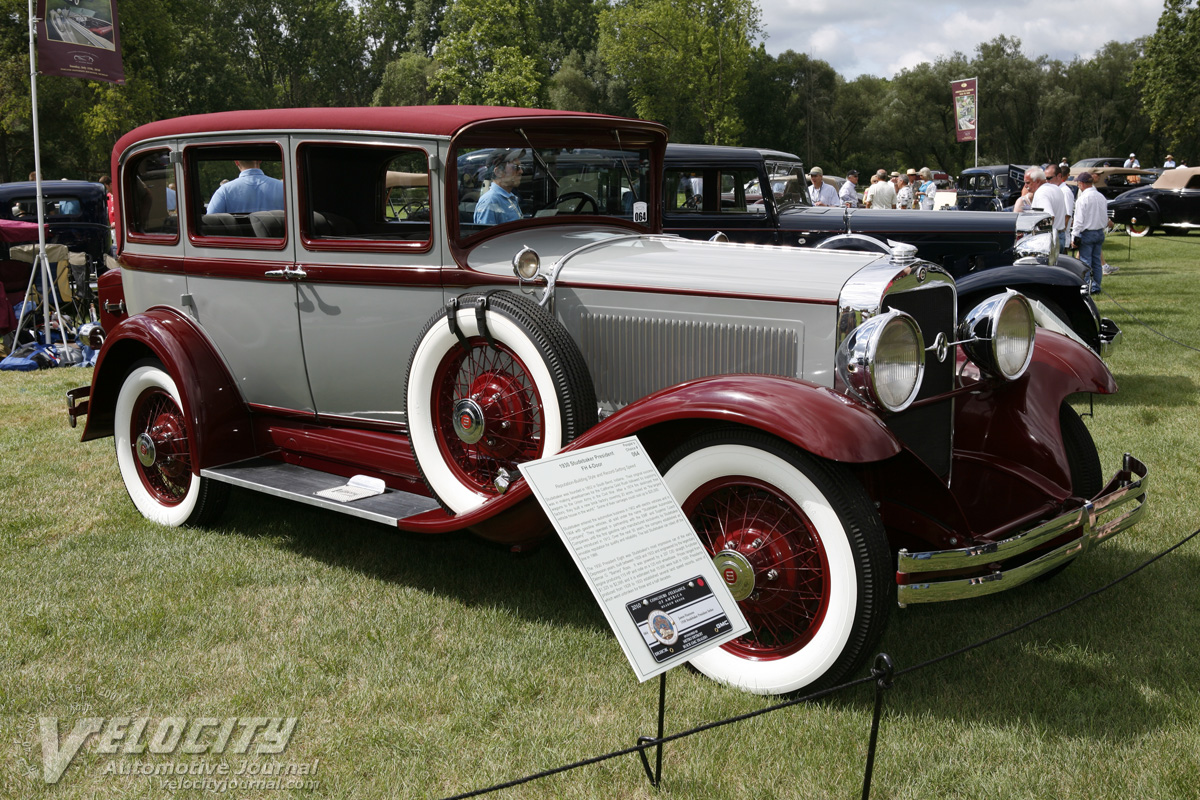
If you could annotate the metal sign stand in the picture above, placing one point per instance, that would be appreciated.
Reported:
(49, 289)
(656, 775)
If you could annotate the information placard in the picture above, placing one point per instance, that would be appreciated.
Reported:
(658, 587)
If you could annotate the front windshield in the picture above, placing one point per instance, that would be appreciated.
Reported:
(505, 177)
(788, 183)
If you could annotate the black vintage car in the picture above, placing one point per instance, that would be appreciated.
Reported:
(992, 188)
(710, 189)
(1171, 203)
(76, 215)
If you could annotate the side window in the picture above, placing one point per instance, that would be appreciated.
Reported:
(236, 190)
(684, 191)
(358, 193)
(148, 196)
(1193, 183)
(735, 185)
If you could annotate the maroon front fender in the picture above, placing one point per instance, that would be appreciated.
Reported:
(219, 423)
(814, 418)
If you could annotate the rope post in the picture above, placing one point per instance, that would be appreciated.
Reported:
(883, 672)
(656, 775)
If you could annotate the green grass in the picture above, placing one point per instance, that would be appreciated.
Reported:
(424, 667)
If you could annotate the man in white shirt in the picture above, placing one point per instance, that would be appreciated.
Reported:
(1049, 199)
(1132, 162)
(1170, 162)
(1056, 176)
(822, 193)
(884, 194)
(1087, 231)
(904, 197)
(849, 191)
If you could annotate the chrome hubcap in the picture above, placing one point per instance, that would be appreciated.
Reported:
(737, 573)
(146, 451)
(468, 421)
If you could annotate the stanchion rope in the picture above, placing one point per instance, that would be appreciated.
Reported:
(647, 742)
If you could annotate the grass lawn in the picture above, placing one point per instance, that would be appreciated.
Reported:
(425, 667)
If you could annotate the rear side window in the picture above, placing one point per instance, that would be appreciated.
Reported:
(237, 191)
(149, 197)
(684, 191)
(363, 193)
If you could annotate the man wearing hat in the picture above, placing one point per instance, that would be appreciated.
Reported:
(1089, 225)
(1132, 162)
(822, 193)
(1170, 162)
(849, 191)
(498, 204)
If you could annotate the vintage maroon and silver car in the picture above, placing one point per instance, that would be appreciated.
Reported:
(839, 441)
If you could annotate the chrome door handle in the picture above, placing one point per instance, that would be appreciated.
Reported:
(297, 274)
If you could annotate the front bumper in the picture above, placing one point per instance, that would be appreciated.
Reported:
(1110, 337)
(981, 569)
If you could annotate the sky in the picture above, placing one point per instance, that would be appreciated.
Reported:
(883, 37)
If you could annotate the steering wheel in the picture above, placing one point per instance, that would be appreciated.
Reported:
(582, 199)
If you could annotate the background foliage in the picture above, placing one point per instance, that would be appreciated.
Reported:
(699, 66)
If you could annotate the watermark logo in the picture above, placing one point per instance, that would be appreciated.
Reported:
(172, 736)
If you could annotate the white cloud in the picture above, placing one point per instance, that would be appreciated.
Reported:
(859, 37)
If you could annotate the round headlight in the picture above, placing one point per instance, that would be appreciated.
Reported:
(526, 263)
(1000, 333)
(883, 360)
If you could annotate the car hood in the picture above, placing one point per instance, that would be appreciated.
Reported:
(880, 220)
(1131, 196)
(620, 260)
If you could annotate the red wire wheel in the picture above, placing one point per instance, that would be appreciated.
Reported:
(161, 450)
(489, 389)
(497, 384)
(800, 547)
(751, 524)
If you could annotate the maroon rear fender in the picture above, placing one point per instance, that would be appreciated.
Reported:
(814, 418)
(218, 420)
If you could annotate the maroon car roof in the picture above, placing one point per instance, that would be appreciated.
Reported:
(431, 120)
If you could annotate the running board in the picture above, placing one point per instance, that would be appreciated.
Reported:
(301, 484)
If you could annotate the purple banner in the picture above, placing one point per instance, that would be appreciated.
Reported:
(966, 107)
(79, 39)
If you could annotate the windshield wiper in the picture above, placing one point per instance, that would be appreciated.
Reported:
(538, 158)
(625, 164)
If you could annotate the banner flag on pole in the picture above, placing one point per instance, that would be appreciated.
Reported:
(966, 108)
(79, 39)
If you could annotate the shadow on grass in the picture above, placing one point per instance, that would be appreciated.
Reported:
(537, 585)
(1109, 668)
(1142, 389)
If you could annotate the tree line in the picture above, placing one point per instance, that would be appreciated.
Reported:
(699, 66)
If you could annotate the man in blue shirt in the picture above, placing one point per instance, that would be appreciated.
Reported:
(498, 204)
(252, 190)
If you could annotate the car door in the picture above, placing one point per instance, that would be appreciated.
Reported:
(240, 259)
(371, 248)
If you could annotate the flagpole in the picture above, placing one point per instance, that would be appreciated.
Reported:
(43, 263)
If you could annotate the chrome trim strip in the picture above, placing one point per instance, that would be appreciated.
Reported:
(1122, 503)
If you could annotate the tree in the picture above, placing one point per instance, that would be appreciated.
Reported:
(1169, 74)
(684, 61)
(489, 55)
(405, 82)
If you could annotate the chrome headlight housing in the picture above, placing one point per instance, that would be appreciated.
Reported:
(998, 335)
(883, 360)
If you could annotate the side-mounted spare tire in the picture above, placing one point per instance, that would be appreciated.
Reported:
(493, 381)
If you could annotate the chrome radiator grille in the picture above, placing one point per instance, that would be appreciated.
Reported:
(928, 430)
(633, 356)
